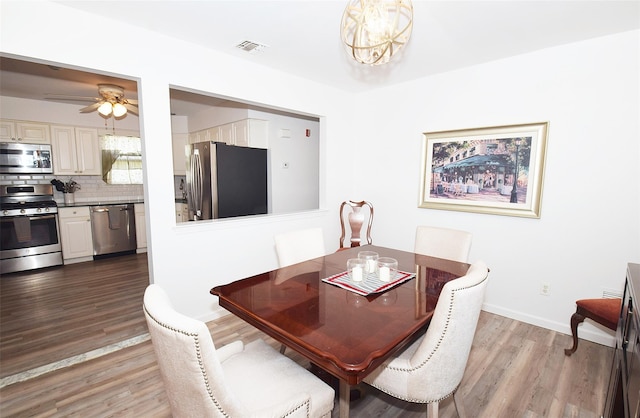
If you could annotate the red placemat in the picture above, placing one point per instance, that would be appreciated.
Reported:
(370, 283)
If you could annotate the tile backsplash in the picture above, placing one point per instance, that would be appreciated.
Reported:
(93, 188)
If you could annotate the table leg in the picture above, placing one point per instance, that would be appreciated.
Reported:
(345, 394)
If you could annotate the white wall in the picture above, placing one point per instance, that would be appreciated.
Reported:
(590, 226)
(187, 261)
(294, 162)
(590, 223)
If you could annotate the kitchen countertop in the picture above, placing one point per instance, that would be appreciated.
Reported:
(99, 203)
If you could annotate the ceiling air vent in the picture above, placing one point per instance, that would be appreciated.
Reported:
(251, 47)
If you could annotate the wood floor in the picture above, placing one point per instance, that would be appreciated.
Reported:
(514, 370)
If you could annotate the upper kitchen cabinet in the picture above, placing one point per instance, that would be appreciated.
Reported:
(200, 136)
(27, 132)
(252, 133)
(179, 158)
(76, 151)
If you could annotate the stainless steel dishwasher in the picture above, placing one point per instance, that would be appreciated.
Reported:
(114, 230)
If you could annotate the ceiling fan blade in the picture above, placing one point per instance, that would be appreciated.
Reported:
(69, 97)
(90, 108)
(132, 101)
(131, 108)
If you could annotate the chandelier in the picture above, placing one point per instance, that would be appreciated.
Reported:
(375, 30)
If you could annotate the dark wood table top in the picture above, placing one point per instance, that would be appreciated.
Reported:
(344, 333)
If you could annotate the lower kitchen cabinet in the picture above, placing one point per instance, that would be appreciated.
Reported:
(141, 227)
(182, 212)
(75, 232)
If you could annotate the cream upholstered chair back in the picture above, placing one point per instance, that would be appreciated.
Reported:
(353, 216)
(236, 380)
(188, 361)
(297, 246)
(432, 368)
(451, 244)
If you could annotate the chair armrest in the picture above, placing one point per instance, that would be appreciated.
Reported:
(229, 350)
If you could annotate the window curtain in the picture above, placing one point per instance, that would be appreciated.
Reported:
(121, 159)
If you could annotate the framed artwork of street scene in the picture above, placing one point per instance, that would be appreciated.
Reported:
(493, 170)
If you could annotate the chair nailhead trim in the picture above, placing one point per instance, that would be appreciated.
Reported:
(203, 372)
(442, 336)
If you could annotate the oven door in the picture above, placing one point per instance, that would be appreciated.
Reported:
(28, 242)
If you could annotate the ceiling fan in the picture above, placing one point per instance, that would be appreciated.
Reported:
(110, 102)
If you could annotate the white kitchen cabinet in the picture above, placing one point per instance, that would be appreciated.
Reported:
(7, 131)
(27, 132)
(199, 136)
(76, 151)
(179, 159)
(75, 232)
(141, 227)
(227, 134)
(214, 134)
(182, 212)
(253, 133)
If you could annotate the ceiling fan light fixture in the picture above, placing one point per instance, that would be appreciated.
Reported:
(373, 31)
(119, 110)
(105, 109)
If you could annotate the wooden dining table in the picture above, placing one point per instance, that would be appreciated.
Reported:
(339, 331)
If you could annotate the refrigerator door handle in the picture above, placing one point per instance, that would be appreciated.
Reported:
(195, 185)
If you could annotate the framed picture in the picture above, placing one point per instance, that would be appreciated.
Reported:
(494, 170)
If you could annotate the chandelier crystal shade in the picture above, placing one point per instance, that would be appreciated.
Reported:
(373, 31)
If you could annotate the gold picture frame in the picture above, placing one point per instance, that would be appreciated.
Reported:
(474, 170)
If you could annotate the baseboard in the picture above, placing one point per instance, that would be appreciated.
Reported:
(588, 330)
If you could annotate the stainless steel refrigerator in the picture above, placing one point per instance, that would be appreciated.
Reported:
(225, 181)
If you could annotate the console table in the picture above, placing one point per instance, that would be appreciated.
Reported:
(623, 395)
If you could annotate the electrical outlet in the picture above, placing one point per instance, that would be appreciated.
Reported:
(545, 289)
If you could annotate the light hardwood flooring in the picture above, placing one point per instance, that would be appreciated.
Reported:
(514, 370)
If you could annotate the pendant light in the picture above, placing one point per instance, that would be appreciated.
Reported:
(373, 31)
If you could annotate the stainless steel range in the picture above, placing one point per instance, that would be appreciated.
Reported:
(29, 236)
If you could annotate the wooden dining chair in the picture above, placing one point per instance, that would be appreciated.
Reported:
(236, 380)
(604, 311)
(353, 215)
(451, 244)
(431, 369)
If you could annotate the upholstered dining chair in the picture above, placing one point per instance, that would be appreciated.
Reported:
(297, 246)
(235, 380)
(300, 245)
(431, 369)
(604, 311)
(452, 244)
(353, 216)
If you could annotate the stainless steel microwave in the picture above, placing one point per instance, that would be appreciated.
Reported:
(25, 158)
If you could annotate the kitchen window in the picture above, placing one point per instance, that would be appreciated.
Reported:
(121, 159)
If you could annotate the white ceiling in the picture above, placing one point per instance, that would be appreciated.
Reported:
(303, 37)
